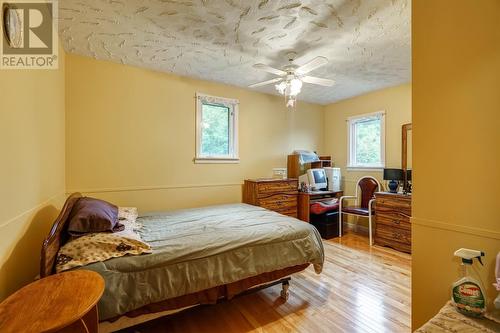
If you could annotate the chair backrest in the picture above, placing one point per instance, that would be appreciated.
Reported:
(368, 186)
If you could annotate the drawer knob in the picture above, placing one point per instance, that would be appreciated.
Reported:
(397, 221)
(397, 235)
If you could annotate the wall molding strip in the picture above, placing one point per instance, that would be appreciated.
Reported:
(32, 210)
(456, 228)
(150, 188)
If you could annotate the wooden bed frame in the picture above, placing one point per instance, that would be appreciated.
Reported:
(58, 236)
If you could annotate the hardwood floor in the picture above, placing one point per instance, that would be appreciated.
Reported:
(360, 290)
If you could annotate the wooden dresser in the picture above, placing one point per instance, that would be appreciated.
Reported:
(392, 214)
(279, 195)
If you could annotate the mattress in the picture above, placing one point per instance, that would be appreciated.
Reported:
(198, 249)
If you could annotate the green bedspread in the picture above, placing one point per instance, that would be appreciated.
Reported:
(197, 249)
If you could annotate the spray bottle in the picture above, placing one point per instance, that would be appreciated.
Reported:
(467, 294)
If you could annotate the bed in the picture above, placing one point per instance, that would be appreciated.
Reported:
(200, 256)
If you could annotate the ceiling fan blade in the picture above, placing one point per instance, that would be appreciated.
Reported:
(317, 80)
(278, 79)
(269, 69)
(312, 65)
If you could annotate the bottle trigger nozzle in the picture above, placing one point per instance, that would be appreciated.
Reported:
(469, 255)
(479, 258)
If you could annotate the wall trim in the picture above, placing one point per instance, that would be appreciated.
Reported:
(32, 209)
(364, 169)
(150, 188)
(456, 228)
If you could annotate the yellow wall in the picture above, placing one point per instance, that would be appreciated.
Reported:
(395, 101)
(131, 136)
(32, 169)
(456, 154)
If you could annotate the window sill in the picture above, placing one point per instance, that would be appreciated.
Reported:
(365, 168)
(209, 160)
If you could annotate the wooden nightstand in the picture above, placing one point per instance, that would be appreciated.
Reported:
(279, 195)
(65, 302)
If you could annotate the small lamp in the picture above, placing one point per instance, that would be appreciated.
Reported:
(393, 176)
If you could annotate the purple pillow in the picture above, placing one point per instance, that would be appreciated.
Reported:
(93, 215)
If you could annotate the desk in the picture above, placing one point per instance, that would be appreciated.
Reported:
(306, 199)
(64, 302)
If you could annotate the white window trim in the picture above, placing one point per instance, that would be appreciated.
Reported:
(350, 121)
(233, 105)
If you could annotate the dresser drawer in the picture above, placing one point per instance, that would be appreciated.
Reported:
(277, 195)
(292, 212)
(404, 247)
(389, 206)
(393, 234)
(392, 220)
(279, 201)
(266, 189)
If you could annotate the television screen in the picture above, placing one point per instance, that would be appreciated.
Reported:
(319, 176)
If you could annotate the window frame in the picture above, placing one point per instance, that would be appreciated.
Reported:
(351, 141)
(233, 106)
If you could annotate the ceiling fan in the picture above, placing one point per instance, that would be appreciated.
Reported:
(291, 77)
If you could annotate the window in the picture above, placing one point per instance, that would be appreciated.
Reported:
(366, 141)
(216, 129)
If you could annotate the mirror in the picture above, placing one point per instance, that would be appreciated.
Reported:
(406, 160)
(406, 156)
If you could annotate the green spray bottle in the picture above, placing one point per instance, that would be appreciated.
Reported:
(467, 294)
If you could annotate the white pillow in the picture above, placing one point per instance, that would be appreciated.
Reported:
(128, 217)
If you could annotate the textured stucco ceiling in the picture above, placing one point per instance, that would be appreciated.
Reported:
(367, 42)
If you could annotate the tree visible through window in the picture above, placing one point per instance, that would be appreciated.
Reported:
(366, 141)
(216, 129)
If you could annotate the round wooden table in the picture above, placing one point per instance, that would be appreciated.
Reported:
(64, 302)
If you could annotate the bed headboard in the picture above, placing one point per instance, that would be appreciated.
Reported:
(56, 238)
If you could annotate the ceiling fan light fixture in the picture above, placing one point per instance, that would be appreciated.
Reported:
(291, 102)
(290, 87)
(292, 77)
(281, 87)
(295, 86)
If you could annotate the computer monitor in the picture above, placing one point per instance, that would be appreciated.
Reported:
(317, 179)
